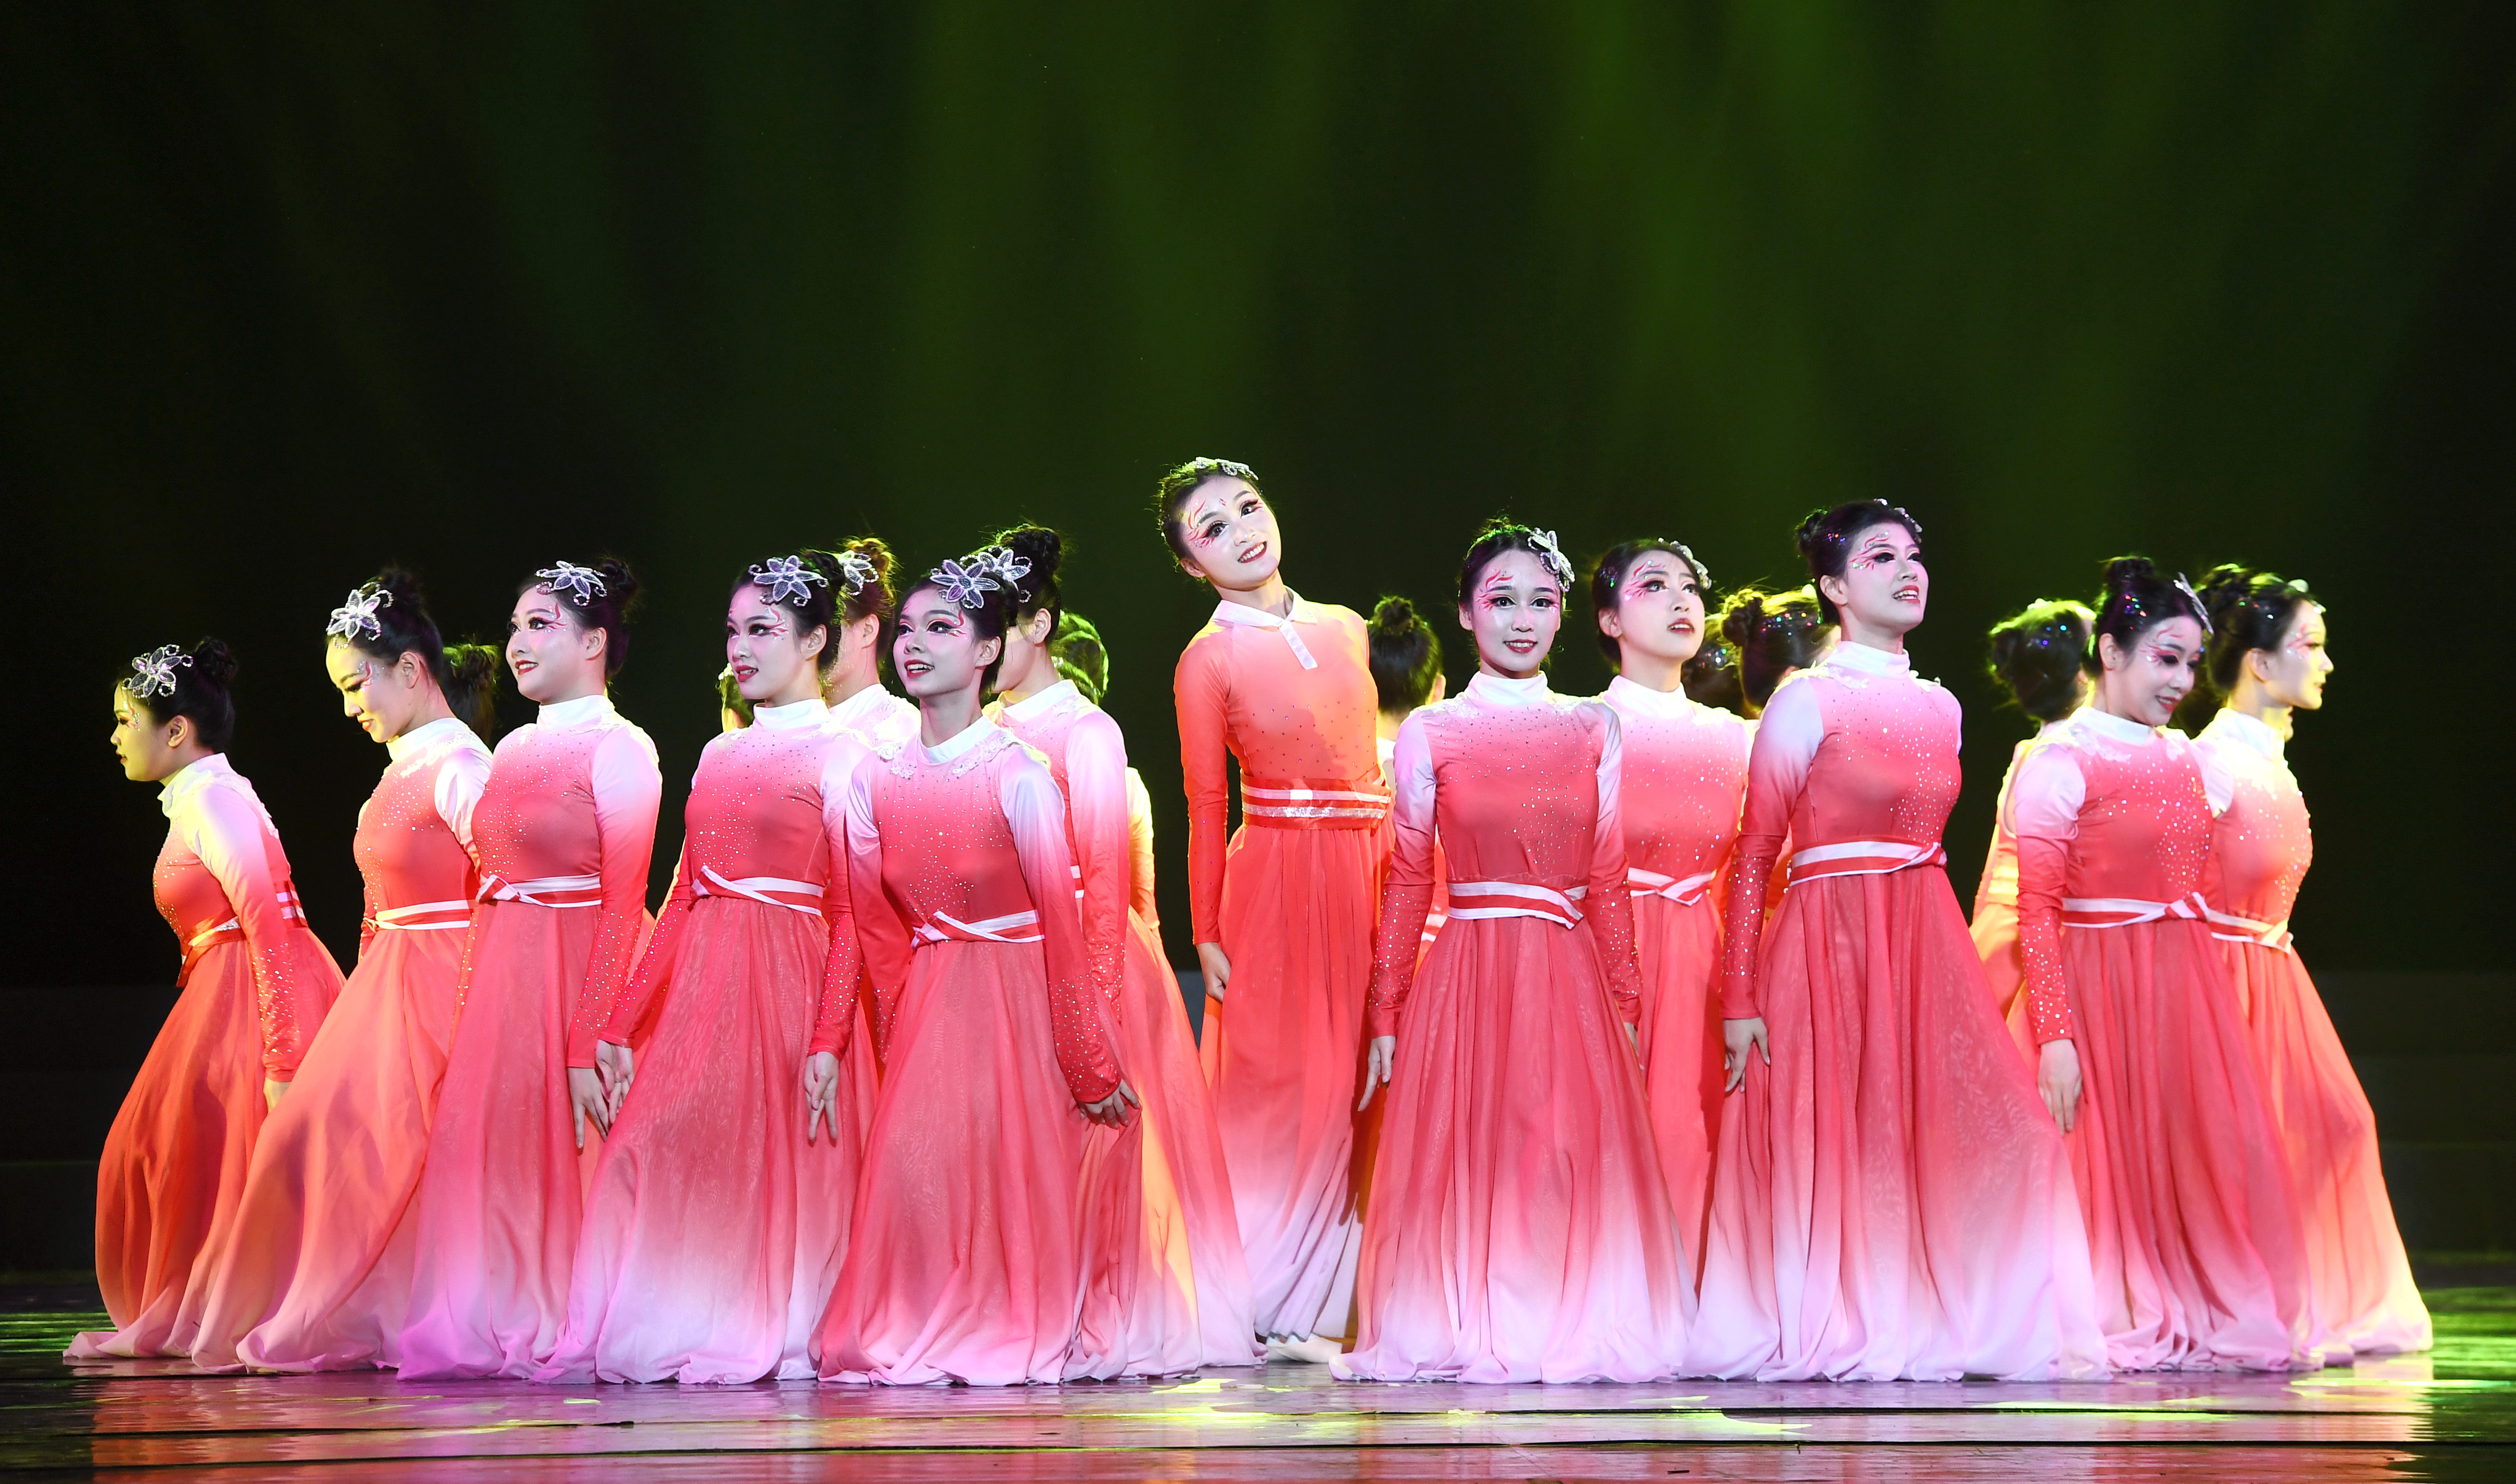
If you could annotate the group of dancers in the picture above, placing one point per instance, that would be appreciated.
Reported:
(1546, 1038)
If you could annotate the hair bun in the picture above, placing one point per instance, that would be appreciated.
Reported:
(1393, 616)
(1038, 545)
(2123, 572)
(214, 662)
(619, 583)
(1806, 536)
(1743, 616)
(874, 550)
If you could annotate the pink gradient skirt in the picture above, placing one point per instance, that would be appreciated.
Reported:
(1680, 948)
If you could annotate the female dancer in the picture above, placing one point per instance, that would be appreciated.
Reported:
(1685, 777)
(962, 1261)
(2037, 655)
(1283, 912)
(1889, 1199)
(563, 829)
(255, 982)
(1406, 672)
(2267, 659)
(317, 1276)
(852, 665)
(1167, 1288)
(716, 1220)
(1776, 636)
(2198, 1256)
(1521, 1230)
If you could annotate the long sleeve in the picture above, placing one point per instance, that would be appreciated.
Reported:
(654, 967)
(1078, 1017)
(1202, 691)
(1607, 906)
(1140, 849)
(2044, 803)
(843, 962)
(627, 789)
(1406, 891)
(459, 782)
(1787, 738)
(1096, 807)
(369, 906)
(879, 941)
(230, 834)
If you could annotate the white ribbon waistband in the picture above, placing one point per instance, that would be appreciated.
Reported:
(761, 889)
(986, 930)
(2270, 935)
(1859, 857)
(541, 891)
(1266, 803)
(288, 910)
(1685, 892)
(2129, 912)
(448, 914)
(1517, 899)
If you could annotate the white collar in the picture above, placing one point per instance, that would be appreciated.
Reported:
(1649, 703)
(192, 777)
(2252, 733)
(793, 716)
(1297, 612)
(579, 712)
(1054, 698)
(864, 706)
(445, 729)
(1495, 691)
(2113, 728)
(1868, 661)
(967, 738)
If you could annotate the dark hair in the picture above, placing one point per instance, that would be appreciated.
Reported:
(466, 673)
(2249, 610)
(1712, 677)
(1773, 633)
(875, 599)
(1173, 488)
(730, 696)
(1503, 533)
(1036, 588)
(603, 604)
(989, 616)
(815, 603)
(1405, 654)
(2135, 598)
(1826, 540)
(1610, 570)
(204, 690)
(1077, 650)
(2037, 655)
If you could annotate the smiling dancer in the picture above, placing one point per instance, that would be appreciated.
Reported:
(2267, 663)
(318, 1275)
(564, 829)
(1519, 1229)
(962, 1263)
(2039, 656)
(1890, 1199)
(1282, 912)
(254, 987)
(1684, 780)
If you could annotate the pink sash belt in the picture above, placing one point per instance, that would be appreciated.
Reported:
(2129, 912)
(1310, 803)
(1012, 927)
(1684, 891)
(1861, 858)
(2270, 935)
(543, 891)
(769, 891)
(1471, 900)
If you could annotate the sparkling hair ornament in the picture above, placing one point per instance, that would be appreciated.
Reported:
(1551, 557)
(154, 674)
(2201, 610)
(1008, 568)
(582, 584)
(789, 580)
(967, 584)
(1208, 468)
(854, 571)
(358, 616)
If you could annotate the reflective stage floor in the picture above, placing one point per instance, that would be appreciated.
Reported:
(2450, 1415)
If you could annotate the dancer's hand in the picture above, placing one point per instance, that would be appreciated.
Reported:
(1378, 1071)
(1113, 1110)
(2056, 1076)
(617, 1069)
(272, 1092)
(586, 1095)
(821, 1093)
(1737, 1036)
(1218, 968)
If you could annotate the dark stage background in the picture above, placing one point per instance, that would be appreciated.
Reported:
(292, 292)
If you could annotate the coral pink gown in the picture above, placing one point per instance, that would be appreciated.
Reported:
(255, 986)
(564, 831)
(716, 1220)
(1293, 900)
(1891, 1199)
(962, 1264)
(1993, 926)
(317, 1274)
(2259, 851)
(1166, 1287)
(1685, 782)
(2199, 1258)
(1519, 1228)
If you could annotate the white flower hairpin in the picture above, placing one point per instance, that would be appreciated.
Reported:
(153, 673)
(2201, 610)
(788, 580)
(358, 616)
(1009, 567)
(582, 584)
(855, 570)
(1551, 555)
(967, 585)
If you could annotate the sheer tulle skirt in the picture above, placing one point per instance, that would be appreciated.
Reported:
(1680, 950)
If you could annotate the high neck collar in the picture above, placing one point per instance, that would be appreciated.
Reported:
(794, 716)
(419, 738)
(961, 741)
(2250, 732)
(193, 777)
(1869, 662)
(2113, 728)
(1648, 702)
(864, 705)
(1056, 698)
(582, 712)
(1297, 612)
(1495, 691)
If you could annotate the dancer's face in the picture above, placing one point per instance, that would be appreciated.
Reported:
(1884, 589)
(149, 750)
(2293, 674)
(2144, 682)
(775, 659)
(383, 696)
(1231, 535)
(939, 651)
(1514, 610)
(1659, 610)
(553, 654)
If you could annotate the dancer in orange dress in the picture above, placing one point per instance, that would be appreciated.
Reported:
(716, 1220)
(1520, 1229)
(255, 986)
(1283, 910)
(962, 1262)
(1685, 779)
(2037, 655)
(564, 831)
(317, 1276)
(2200, 1263)
(1890, 1198)
(2268, 662)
